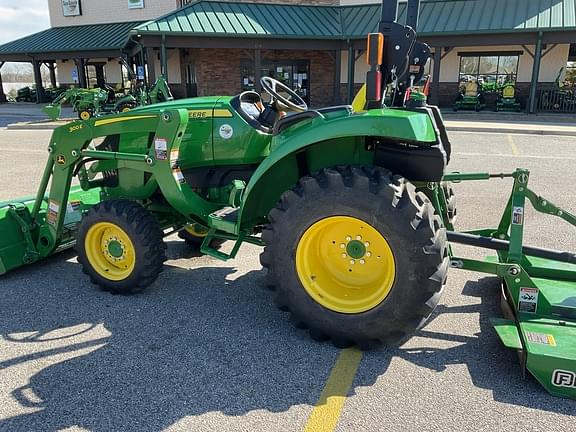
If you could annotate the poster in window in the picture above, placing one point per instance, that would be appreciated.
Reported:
(71, 7)
(135, 4)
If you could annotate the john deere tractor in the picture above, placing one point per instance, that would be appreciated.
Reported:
(97, 102)
(349, 205)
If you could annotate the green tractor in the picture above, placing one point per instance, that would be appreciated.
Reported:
(507, 100)
(470, 97)
(350, 206)
(89, 103)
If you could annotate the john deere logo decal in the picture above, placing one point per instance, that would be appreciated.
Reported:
(564, 378)
(60, 159)
(226, 131)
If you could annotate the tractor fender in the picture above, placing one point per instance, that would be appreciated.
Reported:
(323, 142)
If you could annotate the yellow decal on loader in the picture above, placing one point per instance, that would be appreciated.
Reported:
(76, 128)
(121, 119)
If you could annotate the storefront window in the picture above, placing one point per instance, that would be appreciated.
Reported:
(293, 73)
(488, 69)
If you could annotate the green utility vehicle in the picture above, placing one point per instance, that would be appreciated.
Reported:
(351, 207)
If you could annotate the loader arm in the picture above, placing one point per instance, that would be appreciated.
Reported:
(38, 227)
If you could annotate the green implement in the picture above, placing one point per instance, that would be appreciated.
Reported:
(538, 287)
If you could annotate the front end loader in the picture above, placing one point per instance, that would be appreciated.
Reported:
(352, 205)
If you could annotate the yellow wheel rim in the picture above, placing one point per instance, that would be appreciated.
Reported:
(110, 251)
(345, 264)
(85, 115)
(196, 230)
(125, 109)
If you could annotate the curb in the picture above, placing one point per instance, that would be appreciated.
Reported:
(450, 128)
(541, 132)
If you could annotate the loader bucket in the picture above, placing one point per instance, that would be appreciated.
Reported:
(53, 111)
(19, 231)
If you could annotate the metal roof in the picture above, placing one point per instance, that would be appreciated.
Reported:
(437, 17)
(206, 18)
(250, 19)
(74, 38)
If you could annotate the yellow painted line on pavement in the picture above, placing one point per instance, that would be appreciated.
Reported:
(326, 413)
(513, 146)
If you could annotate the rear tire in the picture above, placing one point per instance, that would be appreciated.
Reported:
(120, 246)
(386, 208)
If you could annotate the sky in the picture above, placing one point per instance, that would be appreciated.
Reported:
(20, 18)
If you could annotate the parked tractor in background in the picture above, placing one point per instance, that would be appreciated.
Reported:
(95, 102)
(350, 206)
(507, 98)
(470, 97)
(561, 97)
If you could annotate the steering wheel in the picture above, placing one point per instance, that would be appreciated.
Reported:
(294, 103)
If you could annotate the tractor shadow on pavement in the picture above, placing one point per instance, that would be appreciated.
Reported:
(198, 341)
(201, 340)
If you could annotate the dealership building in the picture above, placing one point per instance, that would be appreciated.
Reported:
(211, 47)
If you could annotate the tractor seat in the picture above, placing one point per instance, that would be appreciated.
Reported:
(471, 88)
(509, 92)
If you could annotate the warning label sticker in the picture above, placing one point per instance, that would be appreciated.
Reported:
(174, 156)
(518, 215)
(161, 148)
(541, 338)
(53, 210)
(73, 212)
(528, 300)
(178, 176)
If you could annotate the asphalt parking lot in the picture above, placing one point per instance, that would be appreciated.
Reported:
(204, 349)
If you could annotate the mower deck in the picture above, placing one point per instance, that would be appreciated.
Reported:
(546, 336)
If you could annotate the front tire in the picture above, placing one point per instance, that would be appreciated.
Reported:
(85, 114)
(120, 246)
(380, 222)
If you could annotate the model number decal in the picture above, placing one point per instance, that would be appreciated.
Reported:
(564, 378)
(76, 128)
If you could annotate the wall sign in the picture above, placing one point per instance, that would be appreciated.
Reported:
(71, 7)
(135, 4)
